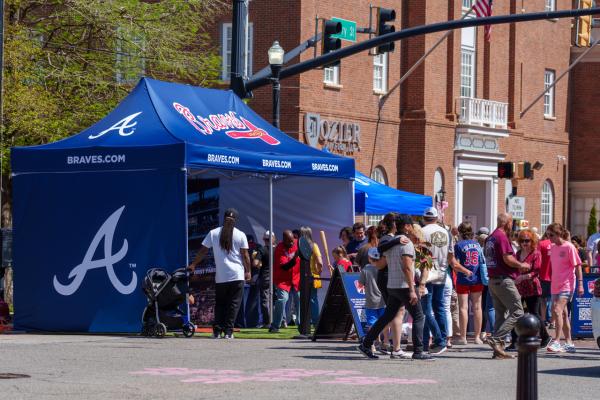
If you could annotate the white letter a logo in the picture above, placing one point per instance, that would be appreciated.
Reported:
(106, 232)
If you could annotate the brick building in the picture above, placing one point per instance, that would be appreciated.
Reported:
(584, 171)
(450, 122)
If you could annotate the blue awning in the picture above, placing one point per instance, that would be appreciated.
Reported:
(372, 197)
(161, 125)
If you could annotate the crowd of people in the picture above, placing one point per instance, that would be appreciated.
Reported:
(426, 274)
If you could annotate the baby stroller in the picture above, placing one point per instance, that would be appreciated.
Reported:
(166, 294)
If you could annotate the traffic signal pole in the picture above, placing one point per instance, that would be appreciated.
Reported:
(238, 44)
(410, 32)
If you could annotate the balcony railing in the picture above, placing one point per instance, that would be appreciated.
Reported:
(482, 112)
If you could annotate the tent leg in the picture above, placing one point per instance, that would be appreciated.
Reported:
(271, 250)
(365, 218)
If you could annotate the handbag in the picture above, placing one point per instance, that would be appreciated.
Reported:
(436, 275)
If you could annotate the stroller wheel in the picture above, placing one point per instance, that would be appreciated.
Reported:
(161, 330)
(189, 329)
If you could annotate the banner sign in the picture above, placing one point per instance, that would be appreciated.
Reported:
(80, 260)
(344, 306)
(581, 313)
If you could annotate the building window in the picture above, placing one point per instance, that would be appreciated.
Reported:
(332, 75)
(467, 72)
(466, 4)
(226, 45)
(547, 206)
(378, 175)
(549, 94)
(130, 62)
(550, 5)
(438, 185)
(380, 73)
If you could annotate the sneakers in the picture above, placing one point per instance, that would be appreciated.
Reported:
(399, 354)
(422, 356)
(437, 349)
(385, 350)
(569, 348)
(228, 336)
(545, 342)
(511, 347)
(216, 335)
(366, 351)
(273, 330)
(555, 347)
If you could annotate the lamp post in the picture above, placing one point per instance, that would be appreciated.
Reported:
(276, 54)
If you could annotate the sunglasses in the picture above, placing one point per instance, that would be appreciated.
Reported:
(524, 240)
(550, 234)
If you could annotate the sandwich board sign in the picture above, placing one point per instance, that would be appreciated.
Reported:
(344, 307)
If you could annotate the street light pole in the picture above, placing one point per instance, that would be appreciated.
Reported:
(276, 54)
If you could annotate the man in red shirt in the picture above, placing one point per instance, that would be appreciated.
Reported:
(286, 275)
(503, 269)
(545, 274)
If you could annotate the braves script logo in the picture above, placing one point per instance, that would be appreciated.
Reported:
(234, 127)
(106, 232)
(121, 126)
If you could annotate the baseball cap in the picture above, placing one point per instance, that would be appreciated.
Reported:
(267, 234)
(374, 253)
(483, 231)
(231, 213)
(430, 212)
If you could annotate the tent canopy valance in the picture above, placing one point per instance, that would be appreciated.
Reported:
(161, 124)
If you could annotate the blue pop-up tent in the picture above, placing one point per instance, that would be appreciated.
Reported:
(372, 197)
(95, 211)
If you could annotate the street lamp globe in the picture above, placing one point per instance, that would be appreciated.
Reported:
(276, 54)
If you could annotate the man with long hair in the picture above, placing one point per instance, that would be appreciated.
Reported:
(232, 261)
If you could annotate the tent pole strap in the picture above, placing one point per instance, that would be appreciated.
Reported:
(271, 250)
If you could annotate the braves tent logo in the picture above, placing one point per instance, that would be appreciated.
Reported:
(235, 127)
(77, 274)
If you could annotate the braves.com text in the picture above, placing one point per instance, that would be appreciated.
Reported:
(98, 159)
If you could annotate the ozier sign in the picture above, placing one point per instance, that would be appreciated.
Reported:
(336, 136)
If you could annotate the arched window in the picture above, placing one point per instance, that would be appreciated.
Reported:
(438, 185)
(378, 175)
(547, 206)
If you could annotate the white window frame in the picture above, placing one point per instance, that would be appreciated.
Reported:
(379, 175)
(549, 77)
(547, 206)
(550, 5)
(380, 73)
(467, 4)
(373, 219)
(470, 75)
(226, 45)
(331, 75)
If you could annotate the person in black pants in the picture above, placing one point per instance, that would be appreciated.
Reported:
(232, 262)
(401, 291)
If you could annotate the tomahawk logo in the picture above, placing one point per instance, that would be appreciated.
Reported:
(121, 127)
(106, 232)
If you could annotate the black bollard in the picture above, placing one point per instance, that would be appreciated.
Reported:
(527, 328)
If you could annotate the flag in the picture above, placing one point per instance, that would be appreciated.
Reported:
(483, 8)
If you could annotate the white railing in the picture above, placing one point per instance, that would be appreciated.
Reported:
(483, 112)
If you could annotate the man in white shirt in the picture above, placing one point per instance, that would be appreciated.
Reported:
(232, 261)
(592, 248)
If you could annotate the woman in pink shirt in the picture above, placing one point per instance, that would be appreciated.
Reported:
(565, 264)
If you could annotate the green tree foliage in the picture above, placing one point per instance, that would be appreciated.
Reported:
(69, 62)
(593, 222)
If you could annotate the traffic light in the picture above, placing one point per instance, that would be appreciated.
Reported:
(524, 170)
(385, 15)
(584, 25)
(506, 170)
(328, 43)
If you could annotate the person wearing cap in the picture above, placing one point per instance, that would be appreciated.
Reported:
(374, 303)
(440, 283)
(232, 262)
(401, 291)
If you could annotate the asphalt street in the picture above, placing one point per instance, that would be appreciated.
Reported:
(117, 367)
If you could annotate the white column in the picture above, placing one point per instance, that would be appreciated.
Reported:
(458, 214)
(494, 208)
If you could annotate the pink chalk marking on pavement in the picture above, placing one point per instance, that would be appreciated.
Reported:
(226, 376)
(374, 380)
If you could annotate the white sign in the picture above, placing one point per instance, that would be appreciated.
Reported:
(337, 136)
(516, 207)
(77, 274)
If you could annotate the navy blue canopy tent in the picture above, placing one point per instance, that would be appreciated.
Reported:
(95, 211)
(372, 197)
